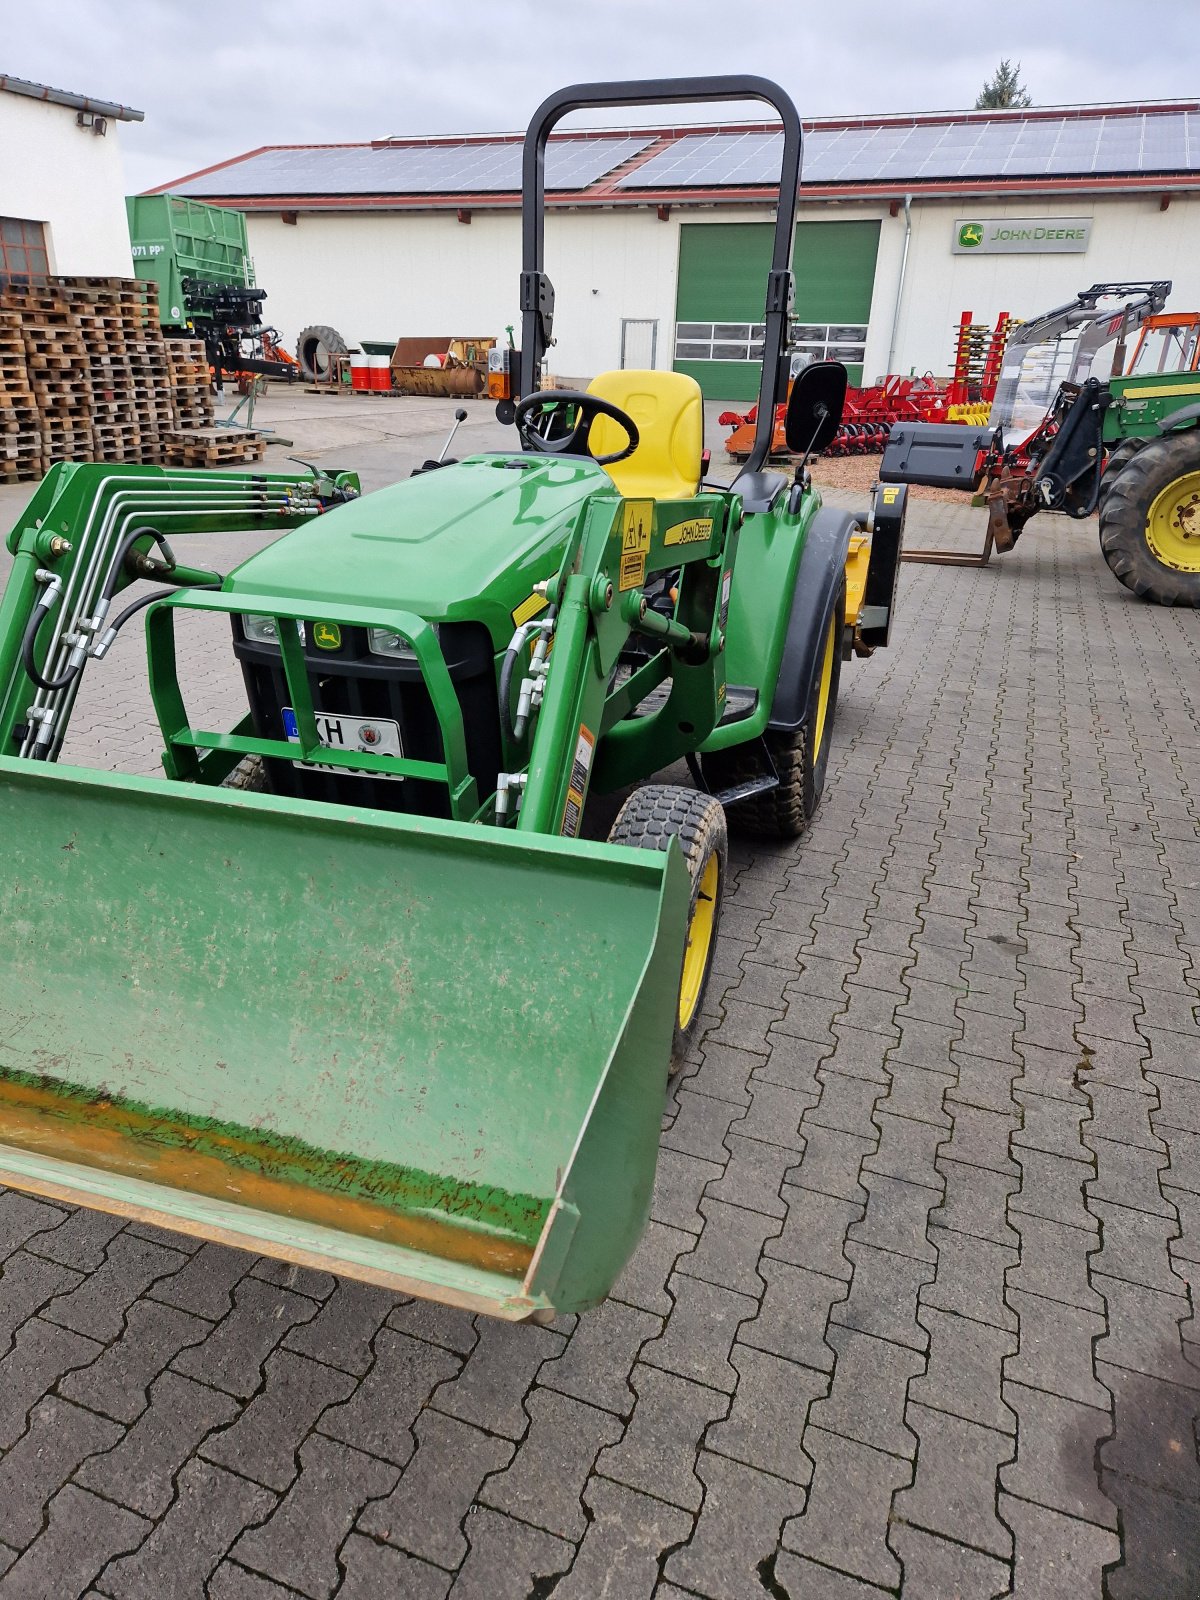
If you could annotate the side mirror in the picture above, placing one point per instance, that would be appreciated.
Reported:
(814, 407)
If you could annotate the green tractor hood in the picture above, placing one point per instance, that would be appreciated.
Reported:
(463, 543)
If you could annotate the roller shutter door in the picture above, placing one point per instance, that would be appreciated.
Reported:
(722, 282)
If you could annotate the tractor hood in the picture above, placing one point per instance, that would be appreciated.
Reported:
(465, 542)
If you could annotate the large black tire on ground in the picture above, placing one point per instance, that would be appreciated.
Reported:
(1125, 520)
(316, 348)
(651, 817)
(785, 812)
(1117, 459)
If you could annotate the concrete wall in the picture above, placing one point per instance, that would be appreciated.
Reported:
(68, 179)
(377, 276)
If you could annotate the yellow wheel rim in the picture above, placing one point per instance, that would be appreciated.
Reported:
(826, 681)
(699, 941)
(1173, 525)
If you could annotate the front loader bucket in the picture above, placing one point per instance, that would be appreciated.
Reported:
(420, 1053)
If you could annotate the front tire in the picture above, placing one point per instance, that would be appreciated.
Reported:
(651, 817)
(800, 757)
(1150, 521)
(315, 350)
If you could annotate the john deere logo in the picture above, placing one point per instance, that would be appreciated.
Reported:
(970, 235)
(327, 636)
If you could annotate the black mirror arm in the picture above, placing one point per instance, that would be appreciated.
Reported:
(821, 412)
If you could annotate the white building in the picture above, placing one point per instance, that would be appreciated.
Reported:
(62, 193)
(658, 238)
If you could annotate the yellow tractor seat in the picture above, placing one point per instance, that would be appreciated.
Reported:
(669, 411)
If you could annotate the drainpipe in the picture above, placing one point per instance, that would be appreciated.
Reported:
(900, 280)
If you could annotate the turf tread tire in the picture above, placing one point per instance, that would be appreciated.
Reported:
(1124, 513)
(249, 775)
(786, 811)
(650, 818)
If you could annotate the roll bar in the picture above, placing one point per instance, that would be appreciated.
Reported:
(537, 292)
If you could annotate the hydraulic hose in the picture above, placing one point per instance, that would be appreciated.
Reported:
(509, 665)
(114, 627)
(45, 604)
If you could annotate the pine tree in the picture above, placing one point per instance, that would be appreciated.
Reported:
(1004, 90)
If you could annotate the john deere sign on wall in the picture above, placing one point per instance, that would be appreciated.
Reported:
(1021, 236)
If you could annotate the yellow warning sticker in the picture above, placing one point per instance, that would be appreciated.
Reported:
(585, 747)
(698, 530)
(890, 495)
(528, 609)
(637, 519)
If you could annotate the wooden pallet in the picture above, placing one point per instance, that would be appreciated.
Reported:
(213, 447)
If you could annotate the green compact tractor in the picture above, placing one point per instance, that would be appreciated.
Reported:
(354, 984)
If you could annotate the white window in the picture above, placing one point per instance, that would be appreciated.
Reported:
(743, 341)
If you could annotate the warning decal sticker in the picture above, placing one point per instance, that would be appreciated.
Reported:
(637, 518)
(585, 747)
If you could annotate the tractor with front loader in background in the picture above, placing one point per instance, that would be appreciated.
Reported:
(1127, 445)
(350, 985)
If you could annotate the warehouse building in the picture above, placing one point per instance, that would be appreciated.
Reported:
(62, 192)
(658, 238)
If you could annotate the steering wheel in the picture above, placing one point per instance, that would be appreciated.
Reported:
(575, 440)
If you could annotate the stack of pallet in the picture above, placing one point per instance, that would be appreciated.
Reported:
(100, 383)
(20, 430)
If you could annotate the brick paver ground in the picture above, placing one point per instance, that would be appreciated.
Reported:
(916, 1310)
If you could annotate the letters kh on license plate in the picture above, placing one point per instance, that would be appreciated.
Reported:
(374, 736)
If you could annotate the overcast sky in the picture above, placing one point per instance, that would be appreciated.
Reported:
(218, 77)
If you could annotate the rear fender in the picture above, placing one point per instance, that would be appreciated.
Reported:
(1180, 419)
(818, 581)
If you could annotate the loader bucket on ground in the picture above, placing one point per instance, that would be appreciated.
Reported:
(421, 1053)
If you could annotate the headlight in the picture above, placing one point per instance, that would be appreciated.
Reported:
(386, 642)
(262, 630)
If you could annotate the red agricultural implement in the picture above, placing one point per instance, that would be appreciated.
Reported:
(870, 412)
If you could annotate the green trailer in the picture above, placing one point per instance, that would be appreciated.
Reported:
(178, 242)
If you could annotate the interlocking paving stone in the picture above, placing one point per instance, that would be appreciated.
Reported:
(508, 1560)
(263, 1443)
(1056, 1555)
(340, 1334)
(424, 1513)
(936, 1567)
(867, 1398)
(26, 1284)
(1053, 1262)
(883, 1296)
(1160, 1552)
(118, 1382)
(970, 1278)
(700, 1331)
(210, 1510)
(1056, 1349)
(737, 1530)
(679, 1181)
(138, 1472)
(231, 1358)
(81, 1240)
(794, 1315)
(814, 1232)
(954, 1492)
(729, 1248)
(766, 1422)
(375, 1570)
(657, 1454)
(1143, 1331)
(1056, 1450)
(754, 1175)
(81, 1535)
(596, 1363)
(445, 1325)
(298, 1543)
(41, 1356)
(379, 1414)
(845, 1522)
(544, 1482)
(22, 1216)
(59, 1437)
(965, 1369)
(205, 1285)
(619, 1556)
(976, 1202)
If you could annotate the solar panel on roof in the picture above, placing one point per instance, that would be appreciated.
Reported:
(413, 169)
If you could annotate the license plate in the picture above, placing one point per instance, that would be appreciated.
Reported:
(374, 736)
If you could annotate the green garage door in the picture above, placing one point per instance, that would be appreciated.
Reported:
(722, 287)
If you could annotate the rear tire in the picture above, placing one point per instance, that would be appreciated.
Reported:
(651, 817)
(1150, 521)
(316, 348)
(801, 757)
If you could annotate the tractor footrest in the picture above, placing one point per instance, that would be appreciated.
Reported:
(744, 791)
(740, 701)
